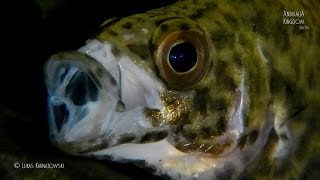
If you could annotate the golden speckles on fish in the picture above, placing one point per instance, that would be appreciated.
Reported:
(196, 90)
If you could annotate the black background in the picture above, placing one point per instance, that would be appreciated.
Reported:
(30, 36)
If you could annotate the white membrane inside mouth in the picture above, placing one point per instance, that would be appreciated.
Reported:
(97, 97)
(78, 100)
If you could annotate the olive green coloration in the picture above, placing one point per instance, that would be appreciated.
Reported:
(246, 40)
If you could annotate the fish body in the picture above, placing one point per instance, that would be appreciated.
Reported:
(197, 89)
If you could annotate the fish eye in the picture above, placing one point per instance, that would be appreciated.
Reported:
(183, 58)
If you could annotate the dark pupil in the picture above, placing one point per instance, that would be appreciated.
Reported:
(183, 57)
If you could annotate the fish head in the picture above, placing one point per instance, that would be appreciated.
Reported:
(152, 87)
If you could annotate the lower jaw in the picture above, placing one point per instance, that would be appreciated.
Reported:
(168, 160)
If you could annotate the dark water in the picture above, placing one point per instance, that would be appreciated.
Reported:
(31, 35)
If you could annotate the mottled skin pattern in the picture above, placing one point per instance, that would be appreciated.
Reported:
(246, 40)
(281, 67)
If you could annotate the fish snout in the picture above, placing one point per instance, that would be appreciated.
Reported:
(81, 94)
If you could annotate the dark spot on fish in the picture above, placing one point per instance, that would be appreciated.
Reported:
(277, 81)
(140, 20)
(281, 36)
(190, 136)
(242, 142)
(153, 46)
(229, 83)
(237, 59)
(112, 32)
(253, 136)
(164, 27)
(311, 170)
(198, 14)
(258, 22)
(200, 100)
(97, 147)
(184, 27)
(215, 128)
(230, 19)
(244, 40)
(245, 158)
(142, 50)
(211, 5)
(99, 72)
(195, 1)
(310, 130)
(220, 67)
(127, 25)
(223, 38)
(311, 78)
(125, 138)
(153, 136)
(283, 136)
(115, 51)
(221, 125)
(218, 104)
(280, 167)
(218, 23)
(206, 131)
(293, 94)
(318, 37)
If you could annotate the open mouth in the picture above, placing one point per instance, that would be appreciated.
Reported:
(81, 89)
(92, 106)
(80, 95)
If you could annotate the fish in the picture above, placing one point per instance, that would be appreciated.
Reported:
(199, 89)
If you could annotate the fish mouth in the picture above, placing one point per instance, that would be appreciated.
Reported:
(90, 105)
(79, 91)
